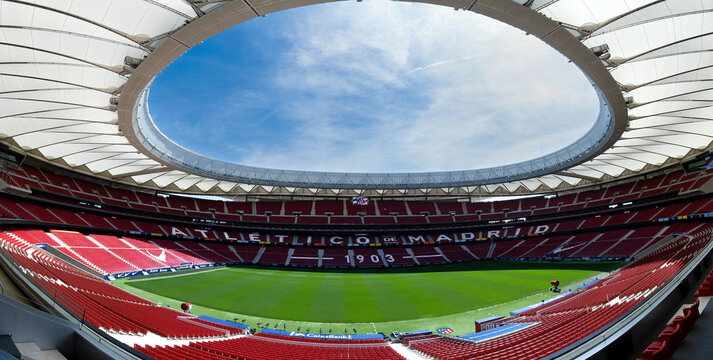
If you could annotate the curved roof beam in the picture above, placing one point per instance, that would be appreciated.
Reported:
(671, 97)
(52, 129)
(105, 108)
(162, 168)
(643, 22)
(545, 5)
(625, 158)
(168, 8)
(36, 90)
(97, 147)
(100, 66)
(570, 174)
(667, 112)
(86, 36)
(59, 82)
(63, 141)
(589, 29)
(87, 121)
(80, 18)
(642, 56)
(39, 112)
(628, 88)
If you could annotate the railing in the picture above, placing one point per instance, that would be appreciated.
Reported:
(66, 308)
(602, 339)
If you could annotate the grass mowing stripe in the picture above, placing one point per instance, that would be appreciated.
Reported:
(294, 295)
(329, 299)
(310, 301)
(466, 291)
(415, 290)
(476, 288)
(398, 297)
(461, 322)
(259, 298)
(392, 302)
(360, 303)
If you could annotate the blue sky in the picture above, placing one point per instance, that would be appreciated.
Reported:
(376, 86)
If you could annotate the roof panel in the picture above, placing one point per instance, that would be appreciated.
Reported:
(132, 168)
(102, 165)
(651, 70)
(206, 184)
(19, 126)
(654, 12)
(140, 179)
(168, 178)
(668, 91)
(65, 149)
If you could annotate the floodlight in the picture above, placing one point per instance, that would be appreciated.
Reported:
(601, 51)
(132, 61)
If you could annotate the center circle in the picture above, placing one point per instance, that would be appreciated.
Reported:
(373, 87)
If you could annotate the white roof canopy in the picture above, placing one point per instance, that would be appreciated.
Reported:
(64, 66)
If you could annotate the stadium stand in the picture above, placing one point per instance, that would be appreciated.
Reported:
(572, 318)
(86, 196)
(117, 311)
(330, 211)
(124, 253)
(264, 346)
(119, 232)
(144, 233)
(101, 303)
(305, 257)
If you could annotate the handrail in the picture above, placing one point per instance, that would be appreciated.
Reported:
(624, 323)
(51, 302)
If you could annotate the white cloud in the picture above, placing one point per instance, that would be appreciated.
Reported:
(385, 86)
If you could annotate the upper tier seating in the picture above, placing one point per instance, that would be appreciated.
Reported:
(338, 212)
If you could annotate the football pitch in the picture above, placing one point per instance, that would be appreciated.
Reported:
(394, 299)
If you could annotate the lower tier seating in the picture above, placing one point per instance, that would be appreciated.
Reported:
(574, 317)
(260, 347)
(567, 320)
(100, 303)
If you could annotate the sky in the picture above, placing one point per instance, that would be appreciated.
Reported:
(373, 86)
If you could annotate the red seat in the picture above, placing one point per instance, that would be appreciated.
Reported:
(673, 335)
(689, 317)
(657, 351)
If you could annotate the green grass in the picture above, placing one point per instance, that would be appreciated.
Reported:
(378, 299)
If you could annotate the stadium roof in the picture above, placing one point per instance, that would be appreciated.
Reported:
(75, 75)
